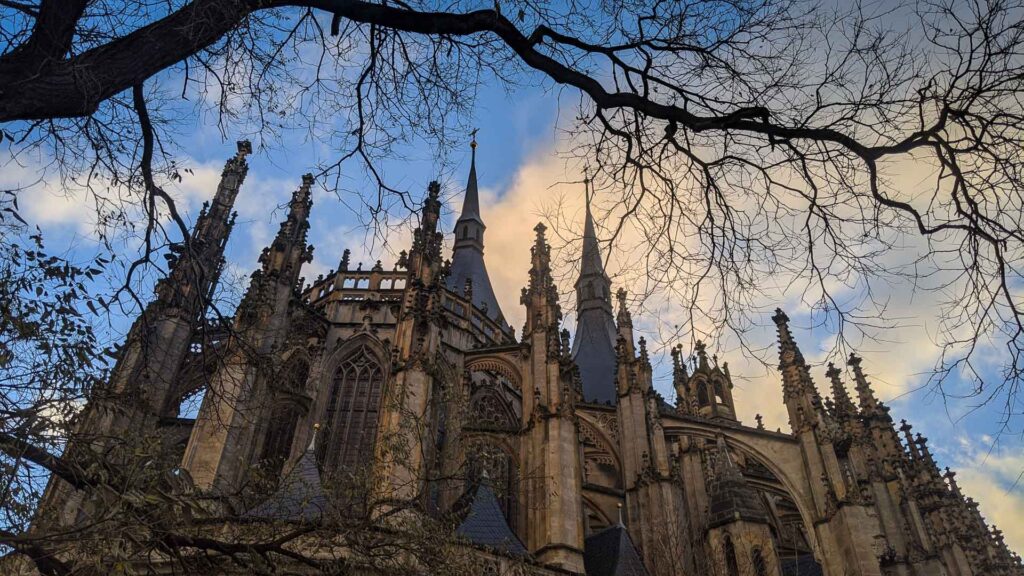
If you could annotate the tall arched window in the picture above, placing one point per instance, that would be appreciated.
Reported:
(277, 442)
(284, 416)
(719, 392)
(350, 422)
(731, 566)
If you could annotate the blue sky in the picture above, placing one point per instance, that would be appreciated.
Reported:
(521, 173)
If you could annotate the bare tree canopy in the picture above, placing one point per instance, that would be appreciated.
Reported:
(741, 143)
(746, 139)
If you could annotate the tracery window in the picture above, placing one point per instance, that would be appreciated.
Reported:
(490, 413)
(353, 405)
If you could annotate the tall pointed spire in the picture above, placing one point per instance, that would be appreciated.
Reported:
(591, 263)
(870, 405)
(541, 297)
(289, 250)
(471, 203)
(196, 264)
(596, 334)
(844, 406)
(468, 268)
(282, 260)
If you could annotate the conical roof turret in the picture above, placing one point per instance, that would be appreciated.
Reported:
(468, 268)
(731, 497)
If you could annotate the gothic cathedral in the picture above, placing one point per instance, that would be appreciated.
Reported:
(558, 450)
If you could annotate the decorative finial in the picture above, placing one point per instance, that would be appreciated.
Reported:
(472, 143)
(312, 439)
(618, 505)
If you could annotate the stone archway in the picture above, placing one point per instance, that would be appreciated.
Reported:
(497, 364)
(779, 453)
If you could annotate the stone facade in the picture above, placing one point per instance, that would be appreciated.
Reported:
(589, 467)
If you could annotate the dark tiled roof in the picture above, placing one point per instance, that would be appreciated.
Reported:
(485, 524)
(468, 264)
(610, 552)
(804, 565)
(300, 496)
(594, 354)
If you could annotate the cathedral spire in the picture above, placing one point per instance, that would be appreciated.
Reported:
(594, 346)
(799, 392)
(870, 405)
(289, 250)
(196, 264)
(591, 264)
(471, 203)
(843, 404)
(468, 266)
(541, 297)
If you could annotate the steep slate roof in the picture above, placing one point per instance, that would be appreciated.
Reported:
(731, 497)
(300, 496)
(485, 525)
(593, 348)
(610, 552)
(468, 255)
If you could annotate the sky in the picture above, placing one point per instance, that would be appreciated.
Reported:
(521, 176)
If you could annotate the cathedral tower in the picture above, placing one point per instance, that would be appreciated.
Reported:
(468, 272)
(594, 346)
(144, 386)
